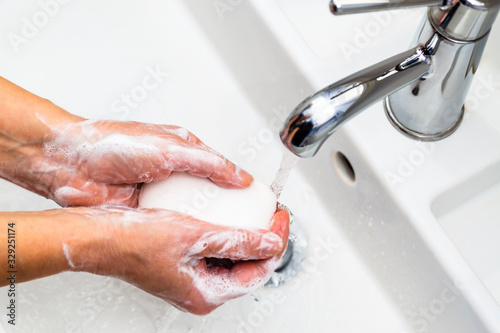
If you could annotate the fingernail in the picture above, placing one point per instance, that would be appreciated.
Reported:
(271, 243)
(245, 178)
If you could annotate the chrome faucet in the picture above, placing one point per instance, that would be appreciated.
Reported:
(424, 88)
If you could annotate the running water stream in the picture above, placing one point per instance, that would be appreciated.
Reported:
(288, 162)
(296, 247)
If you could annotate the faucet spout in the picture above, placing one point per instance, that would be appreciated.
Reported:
(321, 114)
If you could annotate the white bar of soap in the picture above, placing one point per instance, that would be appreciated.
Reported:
(251, 207)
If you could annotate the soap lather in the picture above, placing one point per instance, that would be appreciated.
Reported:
(247, 208)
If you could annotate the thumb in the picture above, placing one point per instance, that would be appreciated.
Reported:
(239, 244)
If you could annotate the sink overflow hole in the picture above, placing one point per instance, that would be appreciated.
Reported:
(344, 168)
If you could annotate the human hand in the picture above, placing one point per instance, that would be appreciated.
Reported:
(93, 163)
(78, 162)
(163, 253)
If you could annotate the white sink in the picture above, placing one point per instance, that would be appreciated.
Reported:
(382, 257)
(423, 216)
(474, 228)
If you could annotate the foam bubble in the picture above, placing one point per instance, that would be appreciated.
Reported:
(66, 254)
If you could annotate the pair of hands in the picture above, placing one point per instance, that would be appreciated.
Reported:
(103, 163)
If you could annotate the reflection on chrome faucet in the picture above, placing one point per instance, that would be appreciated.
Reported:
(424, 88)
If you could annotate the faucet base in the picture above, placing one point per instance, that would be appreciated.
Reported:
(417, 135)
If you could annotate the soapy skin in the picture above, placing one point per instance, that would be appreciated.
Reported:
(191, 285)
(78, 162)
(159, 251)
(93, 163)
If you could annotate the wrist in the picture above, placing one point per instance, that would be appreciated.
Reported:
(25, 125)
(104, 244)
(91, 243)
(37, 114)
(36, 235)
(54, 241)
(24, 164)
(23, 160)
(116, 246)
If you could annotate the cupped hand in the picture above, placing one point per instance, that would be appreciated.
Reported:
(93, 163)
(164, 253)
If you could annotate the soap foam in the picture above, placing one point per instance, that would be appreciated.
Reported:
(217, 288)
(86, 144)
(66, 254)
(83, 143)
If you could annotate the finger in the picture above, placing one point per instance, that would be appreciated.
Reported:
(231, 176)
(201, 162)
(212, 288)
(169, 148)
(238, 244)
(122, 195)
(97, 194)
(252, 273)
(280, 225)
(244, 276)
(247, 273)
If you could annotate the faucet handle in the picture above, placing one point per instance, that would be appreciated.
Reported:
(464, 20)
(340, 7)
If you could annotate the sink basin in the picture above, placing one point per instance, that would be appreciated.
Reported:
(384, 217)
(476, 222)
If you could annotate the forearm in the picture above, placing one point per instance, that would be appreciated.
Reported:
(26, 117)
(25, 121)
(45, 243)
(91, 163)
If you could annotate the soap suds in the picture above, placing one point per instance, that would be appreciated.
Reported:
(105, 152)
(111, 157)
(66, 193)
(113, 152)
(237, 242)
(218, 287)
(66, 254)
